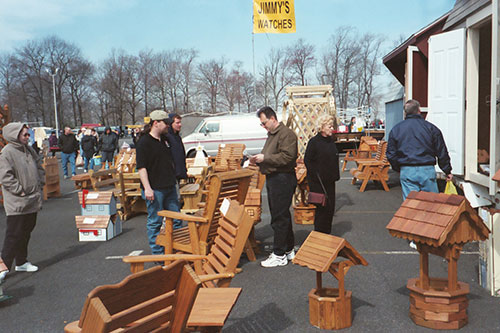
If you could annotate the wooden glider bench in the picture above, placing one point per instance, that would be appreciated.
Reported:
(366, 146)
(376, 169)
(159, 299)
(216, 270)
(200, 232)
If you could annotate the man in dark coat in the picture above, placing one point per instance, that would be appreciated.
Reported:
(176, 145)
(108, 143)
(69, 147)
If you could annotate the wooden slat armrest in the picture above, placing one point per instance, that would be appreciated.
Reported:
(181, 216)
(375, 163)
(211, 277)
(163, 257)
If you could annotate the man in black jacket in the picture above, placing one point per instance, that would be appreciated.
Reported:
(69, 146)
(177, 146)
(108, 143)
(412, 149)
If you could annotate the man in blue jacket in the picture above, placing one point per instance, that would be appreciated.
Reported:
(414, 144)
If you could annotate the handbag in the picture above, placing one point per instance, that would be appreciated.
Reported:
(317, 198)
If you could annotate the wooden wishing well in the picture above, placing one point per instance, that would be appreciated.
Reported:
(439, 224)
(329, 308)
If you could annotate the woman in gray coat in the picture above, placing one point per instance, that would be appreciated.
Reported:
(22, 178)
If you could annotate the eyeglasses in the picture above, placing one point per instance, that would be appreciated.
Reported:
(27, 134)
(263, 124)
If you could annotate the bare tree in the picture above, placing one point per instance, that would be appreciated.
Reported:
(146, 59)
(79, 82)
(210, 76)
(300, 57)
(276, 75)
(186, 75)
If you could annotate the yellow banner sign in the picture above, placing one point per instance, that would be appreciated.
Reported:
(273, 16)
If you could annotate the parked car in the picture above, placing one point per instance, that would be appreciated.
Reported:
(213, 131)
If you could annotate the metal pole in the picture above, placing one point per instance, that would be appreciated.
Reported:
(55, 101)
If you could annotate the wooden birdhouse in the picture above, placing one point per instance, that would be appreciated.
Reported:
(98, 227)
(329, 308)
(439, 224)
(97, 203)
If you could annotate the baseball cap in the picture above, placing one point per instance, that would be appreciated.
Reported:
(158, 115)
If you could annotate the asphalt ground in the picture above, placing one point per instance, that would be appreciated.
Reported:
(273, 299)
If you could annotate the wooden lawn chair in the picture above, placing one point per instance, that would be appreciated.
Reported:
(217, 269)
(363, 151)
(156, 300)
(229, 157)
(125, 160)
(129, 187)
(379, 155)
(200, 232)
(191, 193)
(103, 179)
(372, 169)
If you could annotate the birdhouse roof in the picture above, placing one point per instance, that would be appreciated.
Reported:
(96, 198)
(320, 250)
(436, 219)
(92, 221)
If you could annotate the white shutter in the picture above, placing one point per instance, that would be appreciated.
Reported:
(446, 92)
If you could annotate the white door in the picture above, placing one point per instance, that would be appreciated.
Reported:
(446, 92)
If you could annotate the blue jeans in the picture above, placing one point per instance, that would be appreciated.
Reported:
(165, 199)
(86, 163)
(65, 158)
(418, 178)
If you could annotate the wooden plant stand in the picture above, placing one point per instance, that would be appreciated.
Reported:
(329, 308)
(52, 187)
(441, 224)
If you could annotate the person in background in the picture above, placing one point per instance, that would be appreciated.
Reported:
(175, 141)
(157, 173)
(322, 163)
(108, 143)
(277, 161)
(352, 125)
(53, 147)
(22, 177)
(88, 145)
(69, 147)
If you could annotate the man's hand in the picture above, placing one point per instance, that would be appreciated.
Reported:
(449, 177)
(150, 194)
(257, 158)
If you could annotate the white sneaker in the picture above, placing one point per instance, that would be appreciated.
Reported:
(274, 261)
(27, 267)
(2, 275)
(290, 254)
(413, 245)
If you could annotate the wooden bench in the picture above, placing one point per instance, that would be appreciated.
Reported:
(159, 299)
(131, 201)
(201, 230)
(372, 169)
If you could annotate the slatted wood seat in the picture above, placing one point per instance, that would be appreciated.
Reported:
(372, 169)
(363, 151)
(103, 179)
(134, 305)
(229, 157)
(125, 160)
(200, 233)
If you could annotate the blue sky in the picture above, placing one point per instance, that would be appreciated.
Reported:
(215, 27)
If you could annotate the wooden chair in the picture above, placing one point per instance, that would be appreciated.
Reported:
(219, 266)
(156, 300)
(229, 157)
(372, 169)
(131, 202)
(217, 269)
(379, 155)
(191, 193)
(103, 178)
(363, 151)
(200, 232)
(125, 160)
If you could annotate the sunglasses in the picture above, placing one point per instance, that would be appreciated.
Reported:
(27, 134)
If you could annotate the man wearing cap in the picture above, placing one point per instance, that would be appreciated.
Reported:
(22, 178)
(157, 173)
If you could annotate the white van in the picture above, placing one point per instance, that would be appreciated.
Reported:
(213, 131)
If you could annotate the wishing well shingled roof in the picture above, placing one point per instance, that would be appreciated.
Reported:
(431, 217)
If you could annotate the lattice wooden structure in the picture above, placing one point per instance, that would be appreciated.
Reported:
(329, 308)
(304, 106)
(439, 224)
